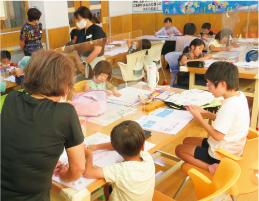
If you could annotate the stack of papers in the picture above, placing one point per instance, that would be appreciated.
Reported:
(251, 64)
(108, 47)
(192, 97)
(162, 36)
(238, 49)
(118, 42)
(129, 96)
(166, 120)
(113, 113)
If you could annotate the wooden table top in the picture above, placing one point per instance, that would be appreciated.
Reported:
(158, 138)
(248, 73)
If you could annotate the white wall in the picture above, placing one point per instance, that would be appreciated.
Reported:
(40, 6)
(117, 8)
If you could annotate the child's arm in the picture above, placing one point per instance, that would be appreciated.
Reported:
(91, 172)
(207, 56)
(113, 89)
(159, 32)
(131, 41)
(218, 49)
(17, 72)
(87, 86)
(218, 136)
(22, 44)
(96, 147)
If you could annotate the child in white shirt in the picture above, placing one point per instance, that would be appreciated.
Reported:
(167, 29)
(133, 179)
(231, 124)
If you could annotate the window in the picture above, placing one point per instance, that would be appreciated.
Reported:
(13, 15)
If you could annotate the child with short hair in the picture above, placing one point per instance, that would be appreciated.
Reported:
(133, 179)
(101, 72)
(73, 36)
(168, 29)
(189, 32)
(205, 31)
(231, 123)
(221, 42)
(31, 33)
(6, 59)
(140, 44)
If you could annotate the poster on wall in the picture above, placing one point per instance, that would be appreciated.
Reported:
(192, 7)
(146, 6)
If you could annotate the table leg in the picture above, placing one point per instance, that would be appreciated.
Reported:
(254, 115)
(191, 80)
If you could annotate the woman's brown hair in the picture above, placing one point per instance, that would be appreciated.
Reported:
(48, 73)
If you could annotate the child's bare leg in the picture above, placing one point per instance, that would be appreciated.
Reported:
(186, 153)
(106, 191)
(197, 141)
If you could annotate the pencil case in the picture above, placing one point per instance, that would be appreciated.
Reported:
(252, 55)
(195, 64)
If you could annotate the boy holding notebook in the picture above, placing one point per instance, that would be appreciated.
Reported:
(133, 179)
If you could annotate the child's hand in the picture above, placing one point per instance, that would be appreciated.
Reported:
(169, 33)
(229, 47)
(117, 94)
(202, 59)
(63, 170)
(202, 111)
(194, 111)
(92, 147)
(56, 170)
(109, 92)
(156, 34)
(17, 72)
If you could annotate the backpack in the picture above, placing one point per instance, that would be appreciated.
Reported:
(252, 55)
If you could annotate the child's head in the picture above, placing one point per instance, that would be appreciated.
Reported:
(5, 57)
(102, 71)
(73, 34)
(189, 29)
(223, 35)
(168, 22)
(222, 77)
(146, 44)
(205, 28)
(197, 46)
(33, 14)
(128, 138)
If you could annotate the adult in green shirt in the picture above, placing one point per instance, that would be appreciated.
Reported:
(35, 129)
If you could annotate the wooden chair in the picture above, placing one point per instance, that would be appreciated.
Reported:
(248, 163)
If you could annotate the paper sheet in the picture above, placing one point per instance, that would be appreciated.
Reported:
(251, 64)
(192, 97)
(129, 96)
(166, 120)
(208, 62)
(78, 185)
(117, 51)
(162, 36)
(102, 158)
(238, 49)
(113, 113)
(10, 79)
(120, 42)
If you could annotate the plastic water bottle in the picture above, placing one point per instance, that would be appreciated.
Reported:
(152, 75)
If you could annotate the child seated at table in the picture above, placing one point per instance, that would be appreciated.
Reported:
(189, 32)
(134, 178)
(193, 52)
(205, 31)
(135, 45)
(101, 72)
(167, 29)
(231, 123)
(221, 41)
(6, 59)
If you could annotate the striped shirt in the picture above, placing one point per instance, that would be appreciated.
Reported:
(132, 180)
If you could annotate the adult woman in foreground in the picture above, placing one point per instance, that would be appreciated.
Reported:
(35, 129)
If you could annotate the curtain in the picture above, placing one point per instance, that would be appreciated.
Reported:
(2, 11)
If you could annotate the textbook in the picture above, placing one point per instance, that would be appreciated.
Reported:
(129, 96)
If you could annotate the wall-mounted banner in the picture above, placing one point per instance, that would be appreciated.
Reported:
(146, 6)
(192, 7)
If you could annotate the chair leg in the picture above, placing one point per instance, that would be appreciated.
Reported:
(163, 72)
(126, 84)
(234, 198)
(173, 76)
(181, 187)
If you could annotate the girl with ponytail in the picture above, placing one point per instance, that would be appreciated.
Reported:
(89, 32)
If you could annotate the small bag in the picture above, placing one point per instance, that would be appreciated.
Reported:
(91, 103)
(195, 64)
(252, 55)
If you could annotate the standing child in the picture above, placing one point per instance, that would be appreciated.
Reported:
(205, 31)
(101, 72)
(221, 41)
(167, 29)
(231, 124)
(31, 33)
(6, 59)
(133, 179)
